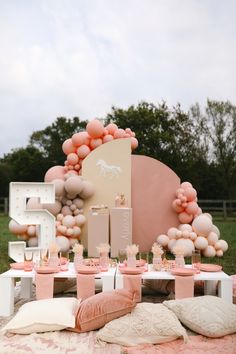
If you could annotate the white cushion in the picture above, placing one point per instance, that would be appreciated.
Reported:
(208, 315)
(44, 316)
(147, 323)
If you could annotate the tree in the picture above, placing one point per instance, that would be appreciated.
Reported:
(49, 140)
(217, 126)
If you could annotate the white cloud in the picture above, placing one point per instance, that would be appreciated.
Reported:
(78, 58)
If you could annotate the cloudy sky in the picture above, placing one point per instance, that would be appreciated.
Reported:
(80, 57)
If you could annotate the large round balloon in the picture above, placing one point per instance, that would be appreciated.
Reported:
(55, 172)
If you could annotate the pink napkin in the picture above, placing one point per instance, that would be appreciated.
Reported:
(85, 286)
(44, 286)
(133, 283)
(184, 287)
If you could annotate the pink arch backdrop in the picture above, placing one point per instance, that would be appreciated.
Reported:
(153, 187)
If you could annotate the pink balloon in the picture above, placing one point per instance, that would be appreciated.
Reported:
(95, 128)
(72, 158)
(16, 228)
(66, 210)
(128, 131)
(83, 151)
(68, 147)
(134, 143)
(112, 127)
(185, 185)
(185, 218)
(107, 138)
(88, 190)
(190, 194)
(55, 172)
(81, 138)
(192, 208)
(119, 133)
(94, 143)
(74, 185)
(178, 208)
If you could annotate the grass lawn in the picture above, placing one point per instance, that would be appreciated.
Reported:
(227, 229)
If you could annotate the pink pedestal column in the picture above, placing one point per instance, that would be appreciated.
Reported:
(98, 232)
(121, 229)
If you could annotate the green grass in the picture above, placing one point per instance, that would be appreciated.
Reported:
(227, 229)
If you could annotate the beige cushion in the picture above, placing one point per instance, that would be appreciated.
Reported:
(44, 316)
(147, 323)
(210, 316)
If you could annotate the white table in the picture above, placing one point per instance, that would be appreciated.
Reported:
(210, 279)
(7, 285)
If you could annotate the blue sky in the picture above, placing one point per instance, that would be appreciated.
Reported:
(78, 58)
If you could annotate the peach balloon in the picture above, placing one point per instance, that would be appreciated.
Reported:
(68, 147)
(63, 243)
(192, 208)
(202, 225)
(81, 138)
(163, 240)
(65, 210)
(193, 236)
(186, 234)
(171, 243)
(111, 128)
(32, 242)
(212, 238)
(62, 229)
(74, 185)
(209, 251)
(201, 243)
(72, 158)
(94, 143)
(16, 228)
(83, 151)
(33, 203)
(221, 244)
(68, 221)
(187, 245)
(185, 218)
(59, 187)
(119, 134)
(31, 230)
(171, 233)
(77, 231)
(80, 220)
(70, 232)
(95, 128)
(55, 172)
(178, 208)
(185, 227)
(107, 138)
(134, 143)
(179, 191)
(88, 190)
(219, 253)
(185, 185)
(216, 230)
(78, 202)
(53, 208)
(190, 194)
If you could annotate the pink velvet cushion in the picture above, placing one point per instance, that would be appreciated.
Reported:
(99, 309)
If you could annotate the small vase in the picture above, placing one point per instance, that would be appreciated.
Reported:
(157, 262)
(179, 261)
(78, 260)
(104, 260)
(53, 260)
(131, 261)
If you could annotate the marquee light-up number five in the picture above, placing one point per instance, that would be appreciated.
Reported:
(19, 192)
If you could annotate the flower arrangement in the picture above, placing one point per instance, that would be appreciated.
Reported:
(103, 248)
(157, 250)
(78, 248)
(132, 250)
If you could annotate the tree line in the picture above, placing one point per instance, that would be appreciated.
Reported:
(199, 145)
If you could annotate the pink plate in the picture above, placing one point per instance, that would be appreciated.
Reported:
(46, 270)
(87, 270)
(210, 267)
(183, 271)
(18, 266)
(133, 271)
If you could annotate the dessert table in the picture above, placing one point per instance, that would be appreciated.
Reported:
(7, 283)
(210, 279)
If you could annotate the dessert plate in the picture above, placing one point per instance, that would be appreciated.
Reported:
(87, 270)
(46, 270)
(18, 265)
(210, 267)
(131, 271)
(183, 271)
